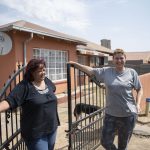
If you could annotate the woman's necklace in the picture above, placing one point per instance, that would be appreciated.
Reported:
(39, 85)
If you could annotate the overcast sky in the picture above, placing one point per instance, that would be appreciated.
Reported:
(125, 22)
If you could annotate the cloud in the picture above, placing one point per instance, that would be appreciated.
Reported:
(106, 3)
(115, 1)
(68, 13)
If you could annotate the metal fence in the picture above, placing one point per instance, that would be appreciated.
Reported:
(10, 137)
(86, 106)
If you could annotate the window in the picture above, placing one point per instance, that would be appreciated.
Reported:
(82, 60)
(96, 61)
(56, 68)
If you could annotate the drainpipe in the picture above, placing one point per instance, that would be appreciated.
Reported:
(25, 49)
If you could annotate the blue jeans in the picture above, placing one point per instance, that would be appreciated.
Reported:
(46, 142)
(123, 126)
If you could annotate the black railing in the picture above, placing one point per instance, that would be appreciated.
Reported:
(86, 99)
(10, 137)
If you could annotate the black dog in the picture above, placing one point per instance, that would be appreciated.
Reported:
(84, 108)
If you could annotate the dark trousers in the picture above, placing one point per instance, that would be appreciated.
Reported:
(123, 126)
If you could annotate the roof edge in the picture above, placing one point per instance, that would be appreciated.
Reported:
(25, 29)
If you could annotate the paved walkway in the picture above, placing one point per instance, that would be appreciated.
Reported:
(142, 128)
(62, 140)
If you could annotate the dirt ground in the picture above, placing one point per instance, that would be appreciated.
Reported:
(137, 142)
(140, 139)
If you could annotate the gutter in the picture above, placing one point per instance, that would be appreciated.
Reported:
(25, 48)
(86, 48)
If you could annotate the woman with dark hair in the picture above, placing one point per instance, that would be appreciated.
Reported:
(35, 94)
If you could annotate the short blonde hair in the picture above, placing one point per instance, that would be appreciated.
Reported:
(119, 51)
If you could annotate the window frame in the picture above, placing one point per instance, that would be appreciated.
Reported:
(56, 62)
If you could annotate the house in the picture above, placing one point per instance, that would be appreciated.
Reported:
(97, 54)
(29, 41)
(136, 58)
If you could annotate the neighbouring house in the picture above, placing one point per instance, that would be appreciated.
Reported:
(29, 40)
(136, 58)
(140, 61)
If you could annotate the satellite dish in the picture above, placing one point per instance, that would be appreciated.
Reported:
(5, 43)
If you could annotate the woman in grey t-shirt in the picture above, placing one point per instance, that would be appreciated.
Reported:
(121, 107)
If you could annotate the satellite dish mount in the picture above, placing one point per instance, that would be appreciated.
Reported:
(5, 43)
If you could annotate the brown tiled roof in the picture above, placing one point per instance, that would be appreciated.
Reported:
(145, 56)
(30, 27)
(33, 28)
(95, 47)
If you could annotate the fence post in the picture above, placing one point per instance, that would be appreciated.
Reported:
(147, 106)
(69, 104)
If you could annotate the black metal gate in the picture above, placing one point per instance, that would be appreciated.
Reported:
(10, 137)
(86, 106)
